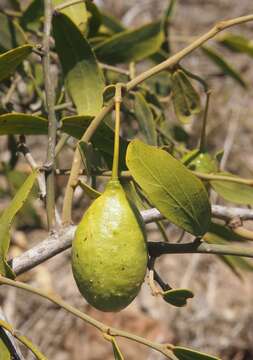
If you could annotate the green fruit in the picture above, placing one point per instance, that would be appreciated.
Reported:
(109, 252)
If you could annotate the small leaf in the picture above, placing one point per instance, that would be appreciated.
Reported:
(6, 220)
(192, 97)
(174, 191)
(201, 162)
(83, 77)
(89, 191)
(145, 119)
(233, 192)
(183, 353)
(226, 68)
(10, 60)
(237, 43)
(177, 297)
(95, 18)
(18, 123)
(131, 45)
(116, 351)
(76, 12)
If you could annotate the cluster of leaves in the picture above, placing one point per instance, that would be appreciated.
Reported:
(88, 46)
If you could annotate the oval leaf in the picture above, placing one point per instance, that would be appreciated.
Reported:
(233, 192)
(177, 297)
(183, 353)
(11, 34)
(226, 68)
(145, 119)
(12, 58)
(18, 123)
(83, 77)
(174, 191)
(131, 45)
(7, 218)
(191, 95)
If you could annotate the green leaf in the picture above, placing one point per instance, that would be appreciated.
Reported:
(89, 191)
(17, 123)
(4, 350)
(174, 191)
(201, 162)
(226, 68)
(237, 43)
(183, 353)
(11, 35)
(185, 98)
(131, 45)
(116, 351)
(83, 77)
(32, 14)
(12, 58)
(7, 218)
(145, 119)
(111, 23)
(220, 234)
(233, 192)
(103, 139)
(77, 13)
(95, 18)
(177, 297)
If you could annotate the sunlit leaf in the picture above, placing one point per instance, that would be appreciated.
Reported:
(83, 77)
(232, 191)
(76, 12)
(6, 220)
(4, 350)
(173, 190)
(177, 297)
(183, 353)
(10, 60)
(111, 23)
(18, 123)
(131, 45)
(145, 119)
(200, 161)
(223, 64)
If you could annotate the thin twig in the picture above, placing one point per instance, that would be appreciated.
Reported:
(105, 329)
(52, 124)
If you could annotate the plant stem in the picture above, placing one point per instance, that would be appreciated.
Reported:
(52, 125)
(115, 165)
(170, 62)
(162, 348)
(202, 145)
(217, 177)
(23, 340)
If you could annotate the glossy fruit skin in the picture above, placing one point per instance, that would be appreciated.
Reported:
(109, 252)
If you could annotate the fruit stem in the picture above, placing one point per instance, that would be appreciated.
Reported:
(117, 101)
(202, 146)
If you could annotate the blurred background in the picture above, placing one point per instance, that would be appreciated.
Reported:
(219, 319)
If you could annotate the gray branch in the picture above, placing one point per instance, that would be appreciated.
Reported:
(58, 242)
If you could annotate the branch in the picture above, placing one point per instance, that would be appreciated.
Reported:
(165, 349)
(60, 241)
(67, 206)
(52, 124)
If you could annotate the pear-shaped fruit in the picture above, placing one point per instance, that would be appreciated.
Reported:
(109, 252)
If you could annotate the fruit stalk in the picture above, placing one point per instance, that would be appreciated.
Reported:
(117, 101)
